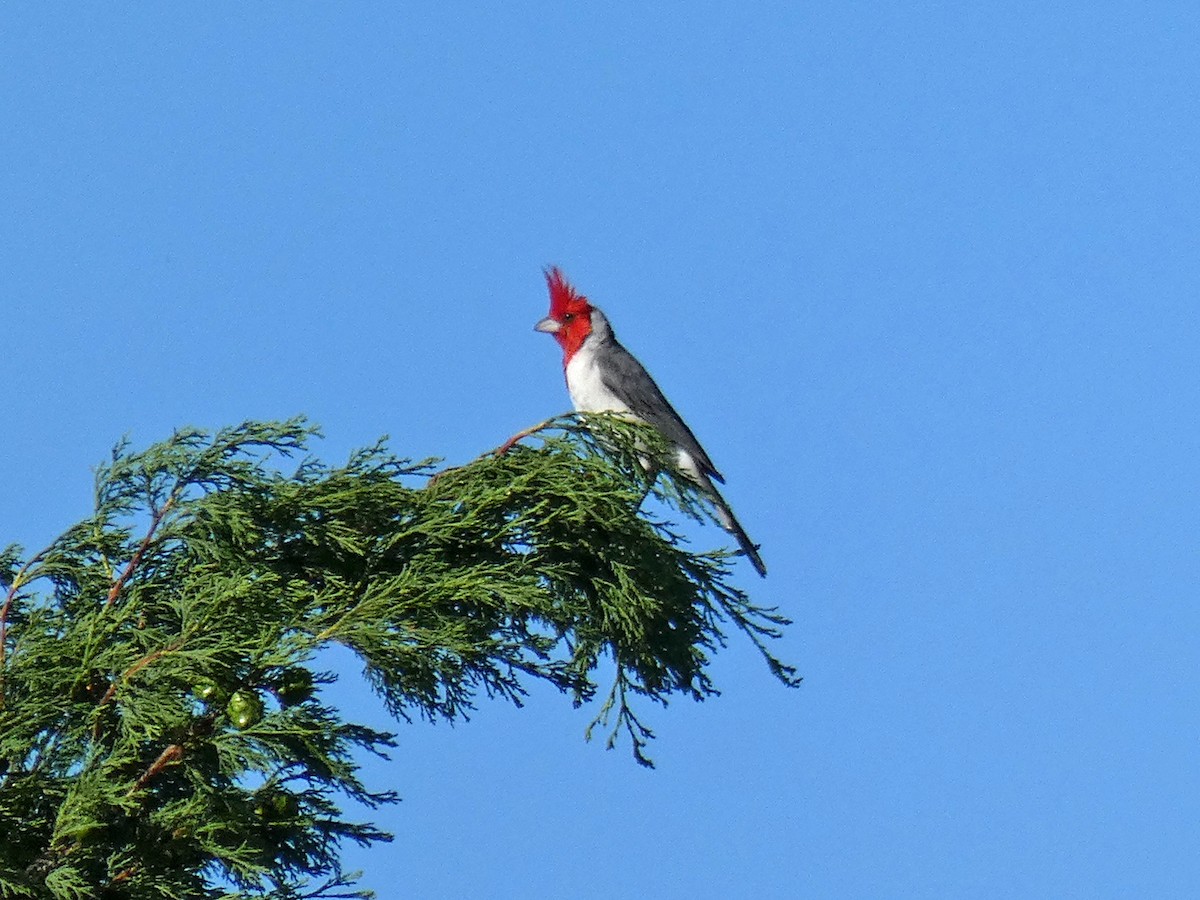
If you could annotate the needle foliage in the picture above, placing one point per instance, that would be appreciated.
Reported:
(162, 727)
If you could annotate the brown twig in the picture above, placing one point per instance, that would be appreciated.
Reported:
(135, 560)
(171, 754)
(499, 451)
(521, 435)
(129, 673)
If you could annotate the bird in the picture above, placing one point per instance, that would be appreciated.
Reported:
(602, 376)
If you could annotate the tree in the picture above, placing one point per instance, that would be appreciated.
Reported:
(162, 730)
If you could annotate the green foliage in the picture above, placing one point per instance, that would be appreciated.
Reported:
(162, 730)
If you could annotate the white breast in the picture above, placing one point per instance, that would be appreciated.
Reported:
(587, 389)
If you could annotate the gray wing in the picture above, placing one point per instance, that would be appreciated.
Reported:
(628, 379)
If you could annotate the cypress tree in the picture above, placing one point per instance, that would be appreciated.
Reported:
(162, 726)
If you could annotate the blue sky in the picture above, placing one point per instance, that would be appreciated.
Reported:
(922, 277)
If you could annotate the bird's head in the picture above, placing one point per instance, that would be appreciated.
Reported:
(570, 319)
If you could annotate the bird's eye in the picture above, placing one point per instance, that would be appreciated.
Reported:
(568, 317)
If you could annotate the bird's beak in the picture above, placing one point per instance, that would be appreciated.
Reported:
(548, 325)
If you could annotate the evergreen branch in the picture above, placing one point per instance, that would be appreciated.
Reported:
(18, 582)
(339, 880)
(639, 734)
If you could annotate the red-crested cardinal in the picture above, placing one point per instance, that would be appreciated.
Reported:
(602, 376)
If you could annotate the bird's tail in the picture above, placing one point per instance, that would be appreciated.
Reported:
(730, 523)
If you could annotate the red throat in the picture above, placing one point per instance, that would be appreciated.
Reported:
(571, 311)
